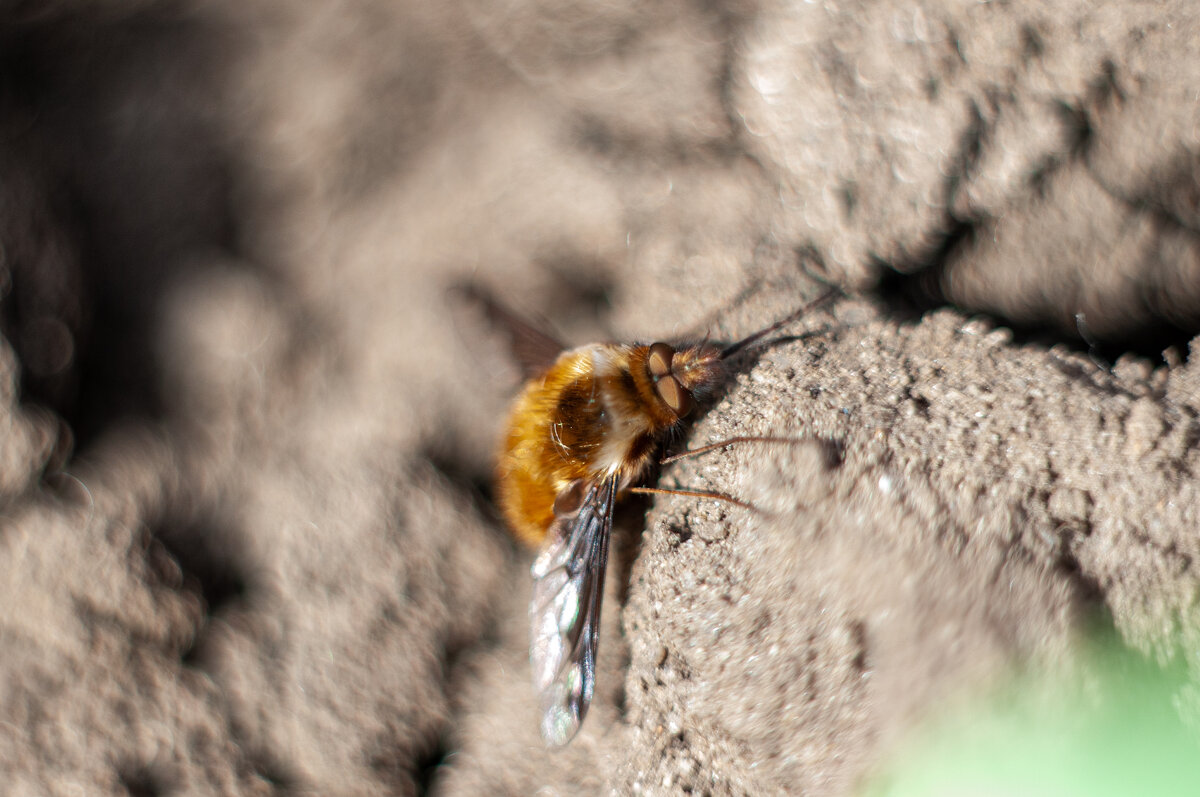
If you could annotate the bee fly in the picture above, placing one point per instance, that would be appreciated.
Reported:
(585, 427)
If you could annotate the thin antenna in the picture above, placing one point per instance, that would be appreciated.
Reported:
(734, 348)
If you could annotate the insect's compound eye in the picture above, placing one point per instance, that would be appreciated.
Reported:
(674, 395)
(660, 360)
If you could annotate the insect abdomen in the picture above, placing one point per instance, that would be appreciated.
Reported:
(545, 447)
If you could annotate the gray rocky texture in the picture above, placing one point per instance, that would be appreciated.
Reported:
(244, 543)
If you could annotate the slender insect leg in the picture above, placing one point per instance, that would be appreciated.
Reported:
(692, 494)
(695, 452)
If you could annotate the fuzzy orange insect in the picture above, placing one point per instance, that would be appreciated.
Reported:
(599, 412)
(582, 431)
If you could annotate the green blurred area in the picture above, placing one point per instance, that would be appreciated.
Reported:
(1114, 724)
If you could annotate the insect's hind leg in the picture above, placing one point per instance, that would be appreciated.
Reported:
(693, 494)
(695, 452)
(831, 450)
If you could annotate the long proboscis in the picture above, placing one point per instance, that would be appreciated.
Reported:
(734, 348)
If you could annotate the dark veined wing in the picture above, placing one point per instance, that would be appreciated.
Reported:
(568, 588)
(534, 349)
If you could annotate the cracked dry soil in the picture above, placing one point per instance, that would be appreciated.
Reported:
(246, 540)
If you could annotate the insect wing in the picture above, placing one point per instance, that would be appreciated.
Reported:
(534, 349)
(568, 587)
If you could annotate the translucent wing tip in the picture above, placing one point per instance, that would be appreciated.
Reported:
(561, 716)
(568, 590)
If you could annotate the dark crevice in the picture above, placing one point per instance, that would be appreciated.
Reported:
(1105, 89)
(909, 296)
(1097, 375)
(682, 533)
(1078, 124)
(970, 149)
(1148, 341)
(145, 780)
(833, 452)
(911, 290)
(620, 695)
(210, 565)
(428, 763)
(114, 378)
(858, 632)
(270, 769)
(1032, 44)
(914, 288)
(125, 198)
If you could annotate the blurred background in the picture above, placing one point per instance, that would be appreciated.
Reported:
(247, 539)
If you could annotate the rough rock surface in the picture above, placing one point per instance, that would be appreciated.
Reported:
(245, 538)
